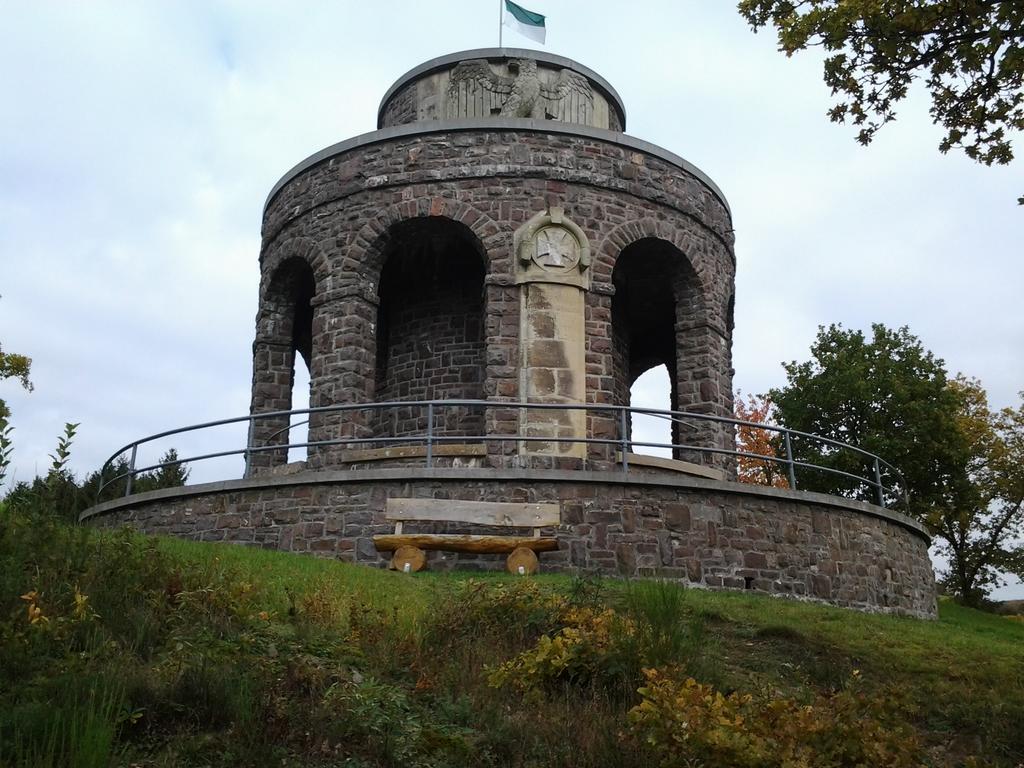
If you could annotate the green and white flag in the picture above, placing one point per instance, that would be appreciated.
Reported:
(525, 22)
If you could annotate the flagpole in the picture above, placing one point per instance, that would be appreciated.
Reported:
(499, 21)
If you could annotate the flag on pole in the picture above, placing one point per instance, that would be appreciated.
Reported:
(525, 22)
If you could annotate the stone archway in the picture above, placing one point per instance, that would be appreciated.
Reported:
(656, 293)
(430, 336)
(284, 328)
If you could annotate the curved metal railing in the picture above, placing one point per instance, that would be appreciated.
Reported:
(896, 487)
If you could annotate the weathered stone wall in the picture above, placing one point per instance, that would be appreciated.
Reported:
(401, 107)
(704, 533)
(337, 216)
(433, 350)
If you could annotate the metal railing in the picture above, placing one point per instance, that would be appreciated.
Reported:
(430, 438)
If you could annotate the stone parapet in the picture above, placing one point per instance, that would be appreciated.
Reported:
(703, 533)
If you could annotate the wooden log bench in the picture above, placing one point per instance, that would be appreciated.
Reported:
(408, 548)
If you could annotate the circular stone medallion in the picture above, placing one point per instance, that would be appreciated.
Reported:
(556, 249)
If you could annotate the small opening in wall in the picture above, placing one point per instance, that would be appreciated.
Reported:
(299, 423)
(748, 582)
(652, 390)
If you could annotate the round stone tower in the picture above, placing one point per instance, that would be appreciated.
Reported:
(474, 288)
(499, 238)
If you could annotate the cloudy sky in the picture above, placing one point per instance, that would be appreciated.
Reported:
(138, 142)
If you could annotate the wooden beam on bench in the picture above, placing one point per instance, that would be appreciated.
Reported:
(464, 543)
(512, 514)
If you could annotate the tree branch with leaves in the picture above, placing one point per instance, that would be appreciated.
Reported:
(969, 54)
(757, 440)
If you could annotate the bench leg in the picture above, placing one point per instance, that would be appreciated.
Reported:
(522, 561)
(409, 559)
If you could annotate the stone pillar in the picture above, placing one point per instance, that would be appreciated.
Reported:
(702, 367)
(501, 382)
(606, 378)
(342, 370)
(553, 259)
(273, 373)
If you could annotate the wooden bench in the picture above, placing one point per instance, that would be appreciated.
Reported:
(522, 551)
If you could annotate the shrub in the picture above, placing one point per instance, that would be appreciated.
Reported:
(687, 723)
(514, 611)
(594, 646)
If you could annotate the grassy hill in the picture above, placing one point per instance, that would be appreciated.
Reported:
(117, 649)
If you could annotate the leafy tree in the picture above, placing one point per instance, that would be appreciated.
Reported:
(171, 475)
(59, 494)
(970, 54)
(981, 525)
(13, 366)
(885, 394)
(760, 441)
(963, 463)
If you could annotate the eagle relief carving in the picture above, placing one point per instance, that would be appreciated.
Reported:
(476, 90)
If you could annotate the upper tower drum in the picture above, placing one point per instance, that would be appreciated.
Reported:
(497, 239)
(503, 83)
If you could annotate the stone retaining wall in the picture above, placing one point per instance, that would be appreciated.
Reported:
(705, 533)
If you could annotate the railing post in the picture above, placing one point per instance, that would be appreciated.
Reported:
(430, 434)
(789, 460)
(624, 437)
(131, 471)
(878, 484)
(249, 447)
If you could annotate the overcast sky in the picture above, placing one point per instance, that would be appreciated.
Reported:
(138, 142)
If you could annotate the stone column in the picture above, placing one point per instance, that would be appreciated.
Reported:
(342, 370)
(501, 382)
(702, 368)
(273, 369)
(553, 259)
(606, 378)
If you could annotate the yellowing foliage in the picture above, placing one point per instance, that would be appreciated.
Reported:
(593, 644)
(689, 723)
(756, 440)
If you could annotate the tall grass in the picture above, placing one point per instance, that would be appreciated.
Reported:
(76, 729)
(669, 632)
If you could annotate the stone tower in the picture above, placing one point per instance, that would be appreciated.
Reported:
(499, 238)
(474, 287)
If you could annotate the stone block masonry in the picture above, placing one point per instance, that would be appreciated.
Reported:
(341, 217)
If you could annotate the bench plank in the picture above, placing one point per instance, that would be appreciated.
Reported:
(478, 512)
(464, 543)
(411, 452)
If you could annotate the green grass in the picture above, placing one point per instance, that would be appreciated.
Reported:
(181, 653)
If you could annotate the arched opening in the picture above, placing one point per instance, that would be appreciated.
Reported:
(430, 326)
(285, 331)
(654, 290)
